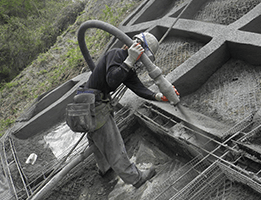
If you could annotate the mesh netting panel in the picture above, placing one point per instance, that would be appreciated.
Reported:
(225, 11)
(213, 184)
(232, 190)
(6, 190)
(246, 188)
(231, 94)
(240, 126)
(178, 180)
(201, 185)
(174, 51)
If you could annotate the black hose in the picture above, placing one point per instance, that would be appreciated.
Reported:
(100, 25)
(112, 30)
(154, 71)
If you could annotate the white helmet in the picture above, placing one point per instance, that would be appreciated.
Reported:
(149, 43)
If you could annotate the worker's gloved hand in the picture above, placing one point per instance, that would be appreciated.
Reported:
(160, 97)
(176, 91)
(135, 52)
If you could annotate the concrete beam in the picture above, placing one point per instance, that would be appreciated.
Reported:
(53, 109)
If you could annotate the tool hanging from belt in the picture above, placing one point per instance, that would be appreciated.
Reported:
(89, 111)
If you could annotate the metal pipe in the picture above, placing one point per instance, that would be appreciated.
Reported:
(154, 71)
(18, 166)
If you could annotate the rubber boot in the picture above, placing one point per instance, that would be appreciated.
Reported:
(145, 175)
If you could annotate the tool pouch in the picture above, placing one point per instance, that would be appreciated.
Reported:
(80, 115)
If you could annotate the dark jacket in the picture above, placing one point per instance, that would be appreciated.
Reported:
(111, 71)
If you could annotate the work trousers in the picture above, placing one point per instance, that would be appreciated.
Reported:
(110, 151)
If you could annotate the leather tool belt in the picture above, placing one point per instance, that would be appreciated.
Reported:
(85, 114)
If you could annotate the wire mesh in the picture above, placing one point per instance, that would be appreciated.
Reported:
(225, 11)
(240, 126)
(213, 184)
(230, 190)
(235, 175)
(253, 136)
(201, 184)
(191, 182)
(6, 177)
(178, 180)
(174, 51)
(47, 167)
(231, 94)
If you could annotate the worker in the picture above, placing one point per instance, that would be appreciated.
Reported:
(114, 68)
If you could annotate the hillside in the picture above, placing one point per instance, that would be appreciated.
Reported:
(62, 61)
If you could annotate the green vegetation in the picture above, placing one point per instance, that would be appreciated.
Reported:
(11, 84)
(5, 123)
(27, 28)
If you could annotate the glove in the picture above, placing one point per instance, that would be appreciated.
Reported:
(176, 91)
(160, 97)
(135, 52)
